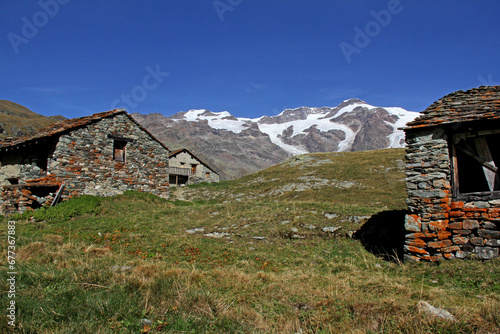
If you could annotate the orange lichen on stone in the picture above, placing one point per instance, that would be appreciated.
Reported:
(456, 205)
(442, 235)
(417, 243)
(440, 244)
(439, 225)
(456, 225)
(417, 250)
(456, 214)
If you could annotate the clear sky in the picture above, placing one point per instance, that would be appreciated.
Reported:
(249, 57)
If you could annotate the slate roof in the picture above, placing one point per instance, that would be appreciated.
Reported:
(461, 106)
(59, 128)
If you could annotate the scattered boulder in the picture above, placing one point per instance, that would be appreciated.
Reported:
(329, 215)
(331, 229)
(217, 234)
(121, 268)
(427, 308)
(358, 219)
(194, 230)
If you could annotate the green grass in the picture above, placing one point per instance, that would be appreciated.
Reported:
(258, 278)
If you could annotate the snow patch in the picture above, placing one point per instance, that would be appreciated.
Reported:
(398, 136)
(225, 121)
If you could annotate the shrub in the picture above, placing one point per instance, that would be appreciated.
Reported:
(77, 206)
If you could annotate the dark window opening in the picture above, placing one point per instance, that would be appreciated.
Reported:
(31, 153)
(476, 163)
(42, 163)
(13, 180)
(44, 191)
(119, 150)
(178, 180)
(193, 168)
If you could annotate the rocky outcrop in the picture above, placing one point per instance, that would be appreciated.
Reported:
(231, 154)
(240, 146)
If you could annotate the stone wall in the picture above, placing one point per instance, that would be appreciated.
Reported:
(84, 159)
(26, 162)
(440, 227)
(32, 195)
(202, 173)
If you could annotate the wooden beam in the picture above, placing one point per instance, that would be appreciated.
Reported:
(128, 140)
(484, 153)
(482, 161)
(58, 195)
(454, 164)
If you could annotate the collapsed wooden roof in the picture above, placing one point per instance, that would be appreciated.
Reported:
(462, 106)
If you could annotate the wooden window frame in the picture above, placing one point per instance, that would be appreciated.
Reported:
(119, 151)
(455, 178)
(119, 144)
(194, 168)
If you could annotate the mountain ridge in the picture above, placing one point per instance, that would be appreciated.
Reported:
(17, 120)
(238, 146)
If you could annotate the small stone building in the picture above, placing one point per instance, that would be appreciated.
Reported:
(186, 168)
(453, 184)
(103, 154)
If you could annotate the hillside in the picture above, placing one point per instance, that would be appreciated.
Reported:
(16, 120)
(273, 252)
(241, 146)
(367, 180)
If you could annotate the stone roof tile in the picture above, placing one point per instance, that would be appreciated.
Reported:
(59, 128)
(461, 106)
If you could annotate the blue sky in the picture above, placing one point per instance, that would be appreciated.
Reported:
(249, 57)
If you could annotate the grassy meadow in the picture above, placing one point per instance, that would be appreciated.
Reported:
(268, 253)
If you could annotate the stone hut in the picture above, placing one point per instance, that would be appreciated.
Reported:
(186, 168)
(453, 184)
(103, 154)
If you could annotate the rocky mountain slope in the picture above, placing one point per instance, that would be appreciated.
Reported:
(16, 120)
(240, 146)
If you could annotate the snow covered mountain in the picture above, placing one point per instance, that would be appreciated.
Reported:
(238, 146)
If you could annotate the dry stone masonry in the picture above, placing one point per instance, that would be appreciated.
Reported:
(103, 154)
(452, 179)
(186, 168)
